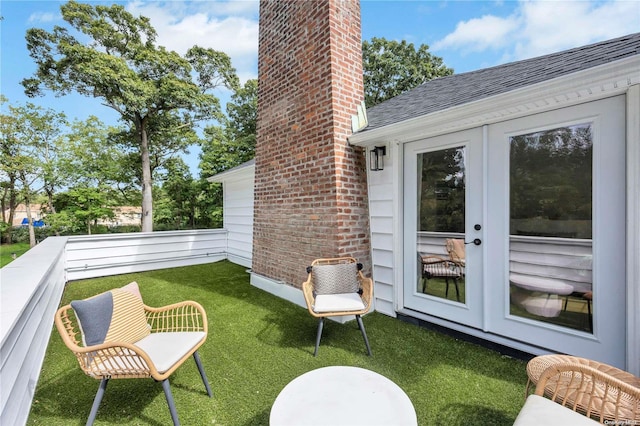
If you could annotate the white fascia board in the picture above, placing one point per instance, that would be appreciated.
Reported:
(588, 85)
(234, 174)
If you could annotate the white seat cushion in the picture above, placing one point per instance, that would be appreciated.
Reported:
(165, 349)
(338, 302)
(542, 411)
(441, 270)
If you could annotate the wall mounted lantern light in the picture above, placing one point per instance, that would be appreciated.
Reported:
(377, 158)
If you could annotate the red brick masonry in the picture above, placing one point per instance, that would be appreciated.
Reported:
(310, 185)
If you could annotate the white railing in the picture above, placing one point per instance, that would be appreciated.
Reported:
(114, 254)
(31, 288)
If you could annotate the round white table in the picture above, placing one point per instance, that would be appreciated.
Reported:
(342, 396)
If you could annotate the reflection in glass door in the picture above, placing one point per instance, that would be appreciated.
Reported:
(550, 226)
(441, 223)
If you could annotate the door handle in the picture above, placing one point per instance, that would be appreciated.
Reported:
(476, 242)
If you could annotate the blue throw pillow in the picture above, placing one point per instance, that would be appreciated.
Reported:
(94, 316)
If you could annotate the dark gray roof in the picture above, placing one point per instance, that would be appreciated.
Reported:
(459, 89)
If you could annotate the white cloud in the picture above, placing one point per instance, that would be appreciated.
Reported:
(541, 27)
(478, 34)
(42, 17)
(230, 27)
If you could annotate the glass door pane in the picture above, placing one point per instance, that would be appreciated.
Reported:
(441, 223)
(550, 226)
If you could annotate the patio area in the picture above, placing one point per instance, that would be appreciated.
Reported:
(258, 343)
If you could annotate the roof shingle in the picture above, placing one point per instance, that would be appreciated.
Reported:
(458, 89)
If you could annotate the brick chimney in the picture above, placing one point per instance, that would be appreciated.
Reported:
(310, 184)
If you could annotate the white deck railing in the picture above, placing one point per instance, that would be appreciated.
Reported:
(31, 288)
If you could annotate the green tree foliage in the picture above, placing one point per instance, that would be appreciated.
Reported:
(122, 65)
(442, 190)
(86, 205)
(225, 147)
(234, 143)
(392, 67)
(551, 182)
(98, 175)
(178, 197)
(31, 160)
(8, 173)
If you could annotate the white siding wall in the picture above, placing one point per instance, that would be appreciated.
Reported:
(113, 254)
(31, 288)
(238, 217)
(382, 201)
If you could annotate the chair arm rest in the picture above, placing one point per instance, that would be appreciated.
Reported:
(366, 285)
(183, 316)
(590, 391)
(115, 360)
(307, 291)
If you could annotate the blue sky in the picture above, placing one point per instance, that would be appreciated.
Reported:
(468, 35)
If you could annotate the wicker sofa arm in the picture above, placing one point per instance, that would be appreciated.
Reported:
(178, 317)
(591, 392)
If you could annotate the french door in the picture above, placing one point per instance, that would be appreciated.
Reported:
(443, 211)
(517, 229)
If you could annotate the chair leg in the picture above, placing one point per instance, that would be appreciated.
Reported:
(446, 291)
(455, 281)
(97, 400)
(320, 325)
(172, 405)
(364, 334)
(203, 375)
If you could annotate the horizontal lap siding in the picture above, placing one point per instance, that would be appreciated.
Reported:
(567, 260)
(238, 218)
(434, 244)
(381, 199)
(124, 253)
(564, 259)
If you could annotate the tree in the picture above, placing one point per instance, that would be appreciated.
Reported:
(122, 65)
(391, 68)
(8, 173)
(86, 205)
(98, 173)
(233, 143)
(225, 147)
(31, 138)
(179, 196)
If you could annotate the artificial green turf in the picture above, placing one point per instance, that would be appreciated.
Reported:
(258, 343)
(8, 250)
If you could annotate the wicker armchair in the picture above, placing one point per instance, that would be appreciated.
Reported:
(337, 287)
(171, 333)
(596, 390)
(437, 267)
